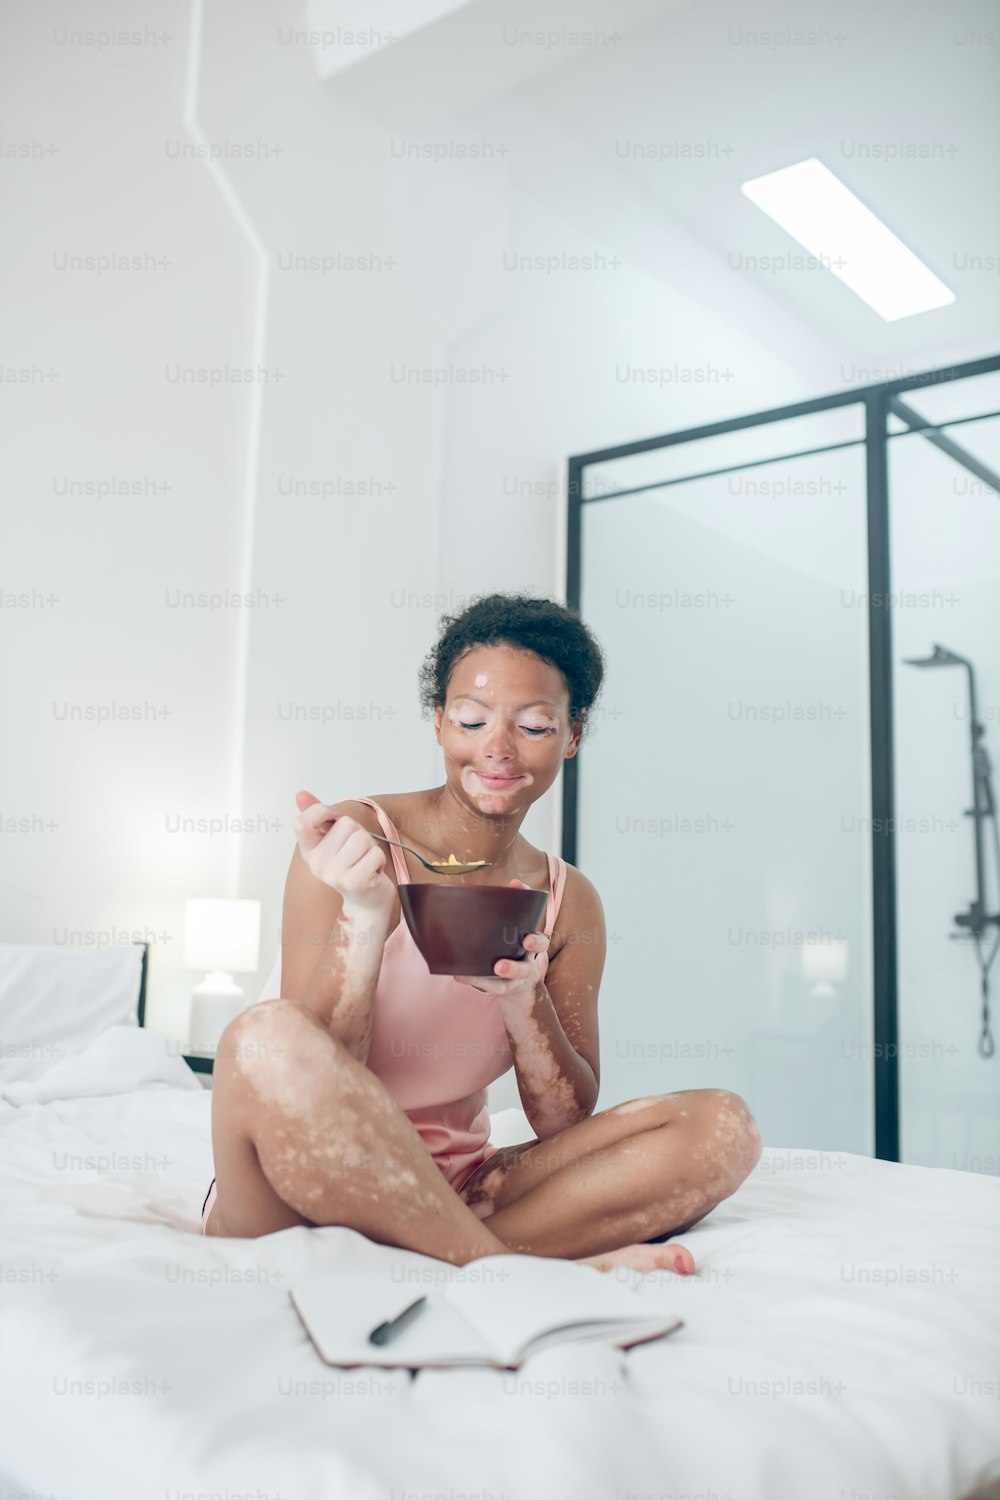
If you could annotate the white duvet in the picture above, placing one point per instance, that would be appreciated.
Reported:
(841, 1338)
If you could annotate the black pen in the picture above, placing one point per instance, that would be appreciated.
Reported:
(386, 1331)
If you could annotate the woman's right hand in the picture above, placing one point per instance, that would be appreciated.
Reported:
(343, 855)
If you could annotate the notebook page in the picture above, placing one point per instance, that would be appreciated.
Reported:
(340, 1309)
(617, 1334)
(531, 1295)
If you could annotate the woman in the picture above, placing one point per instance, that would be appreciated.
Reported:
(358, 1097)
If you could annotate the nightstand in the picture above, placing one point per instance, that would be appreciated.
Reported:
(203, 1063)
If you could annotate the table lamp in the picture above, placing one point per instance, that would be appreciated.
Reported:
(824, 965)
(222, 937)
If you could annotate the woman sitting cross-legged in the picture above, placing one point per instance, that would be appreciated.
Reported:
(358, 1098)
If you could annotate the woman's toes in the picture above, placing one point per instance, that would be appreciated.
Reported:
(680, 1259)
(644, 1259)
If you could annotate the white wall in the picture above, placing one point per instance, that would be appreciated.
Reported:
(96, 634)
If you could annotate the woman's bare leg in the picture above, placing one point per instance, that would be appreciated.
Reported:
(646, 1167)
(304, 1133)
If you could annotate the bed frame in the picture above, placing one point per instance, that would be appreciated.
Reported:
(141, 1011)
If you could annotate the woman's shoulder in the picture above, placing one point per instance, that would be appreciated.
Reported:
(367, 816)
(577, 882)
(393, 804)
(580, 917)
(361, 812)
(399, 809)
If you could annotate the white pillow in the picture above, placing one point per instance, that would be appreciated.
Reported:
(55, 1001)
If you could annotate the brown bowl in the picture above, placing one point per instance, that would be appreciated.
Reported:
(465, 929)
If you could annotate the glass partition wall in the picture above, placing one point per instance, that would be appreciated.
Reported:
(770, 802)
(944, 528)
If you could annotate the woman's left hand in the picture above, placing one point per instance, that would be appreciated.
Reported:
(512, 977)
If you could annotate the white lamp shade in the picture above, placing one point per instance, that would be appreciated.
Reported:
(222, 935)
(825, 961)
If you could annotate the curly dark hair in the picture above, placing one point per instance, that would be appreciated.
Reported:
(550, 630)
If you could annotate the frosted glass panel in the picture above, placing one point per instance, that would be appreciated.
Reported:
(724, 796)
(951, 399)
(945, 537)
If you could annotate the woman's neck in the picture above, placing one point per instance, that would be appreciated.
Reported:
(467, 833)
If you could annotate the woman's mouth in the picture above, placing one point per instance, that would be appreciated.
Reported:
(497, 783)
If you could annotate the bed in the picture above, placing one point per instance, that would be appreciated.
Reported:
(840, 1339)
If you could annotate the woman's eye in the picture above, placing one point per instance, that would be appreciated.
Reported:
(527, 729)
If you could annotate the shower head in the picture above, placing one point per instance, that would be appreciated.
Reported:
(942, 658)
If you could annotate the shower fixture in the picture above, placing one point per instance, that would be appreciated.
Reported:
(976, 920)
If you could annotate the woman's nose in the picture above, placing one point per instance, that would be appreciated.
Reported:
(499, 743)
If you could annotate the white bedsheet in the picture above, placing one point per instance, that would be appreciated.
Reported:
(841, 1341)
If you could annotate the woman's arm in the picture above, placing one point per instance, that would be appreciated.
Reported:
(331, 944)
(552, 1024)
(558, 1087)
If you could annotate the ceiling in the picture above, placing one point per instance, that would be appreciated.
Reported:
(684, 101)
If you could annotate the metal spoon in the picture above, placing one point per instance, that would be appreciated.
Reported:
(450, 866)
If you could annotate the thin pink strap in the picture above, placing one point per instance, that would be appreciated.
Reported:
(388, 828)
(557, 879)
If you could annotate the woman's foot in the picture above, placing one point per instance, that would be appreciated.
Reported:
(644, 1258)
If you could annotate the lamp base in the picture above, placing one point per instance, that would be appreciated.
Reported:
(214, 1003)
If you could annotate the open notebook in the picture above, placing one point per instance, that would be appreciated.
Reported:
(495, 1311)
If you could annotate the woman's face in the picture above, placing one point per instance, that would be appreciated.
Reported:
(505, 728)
